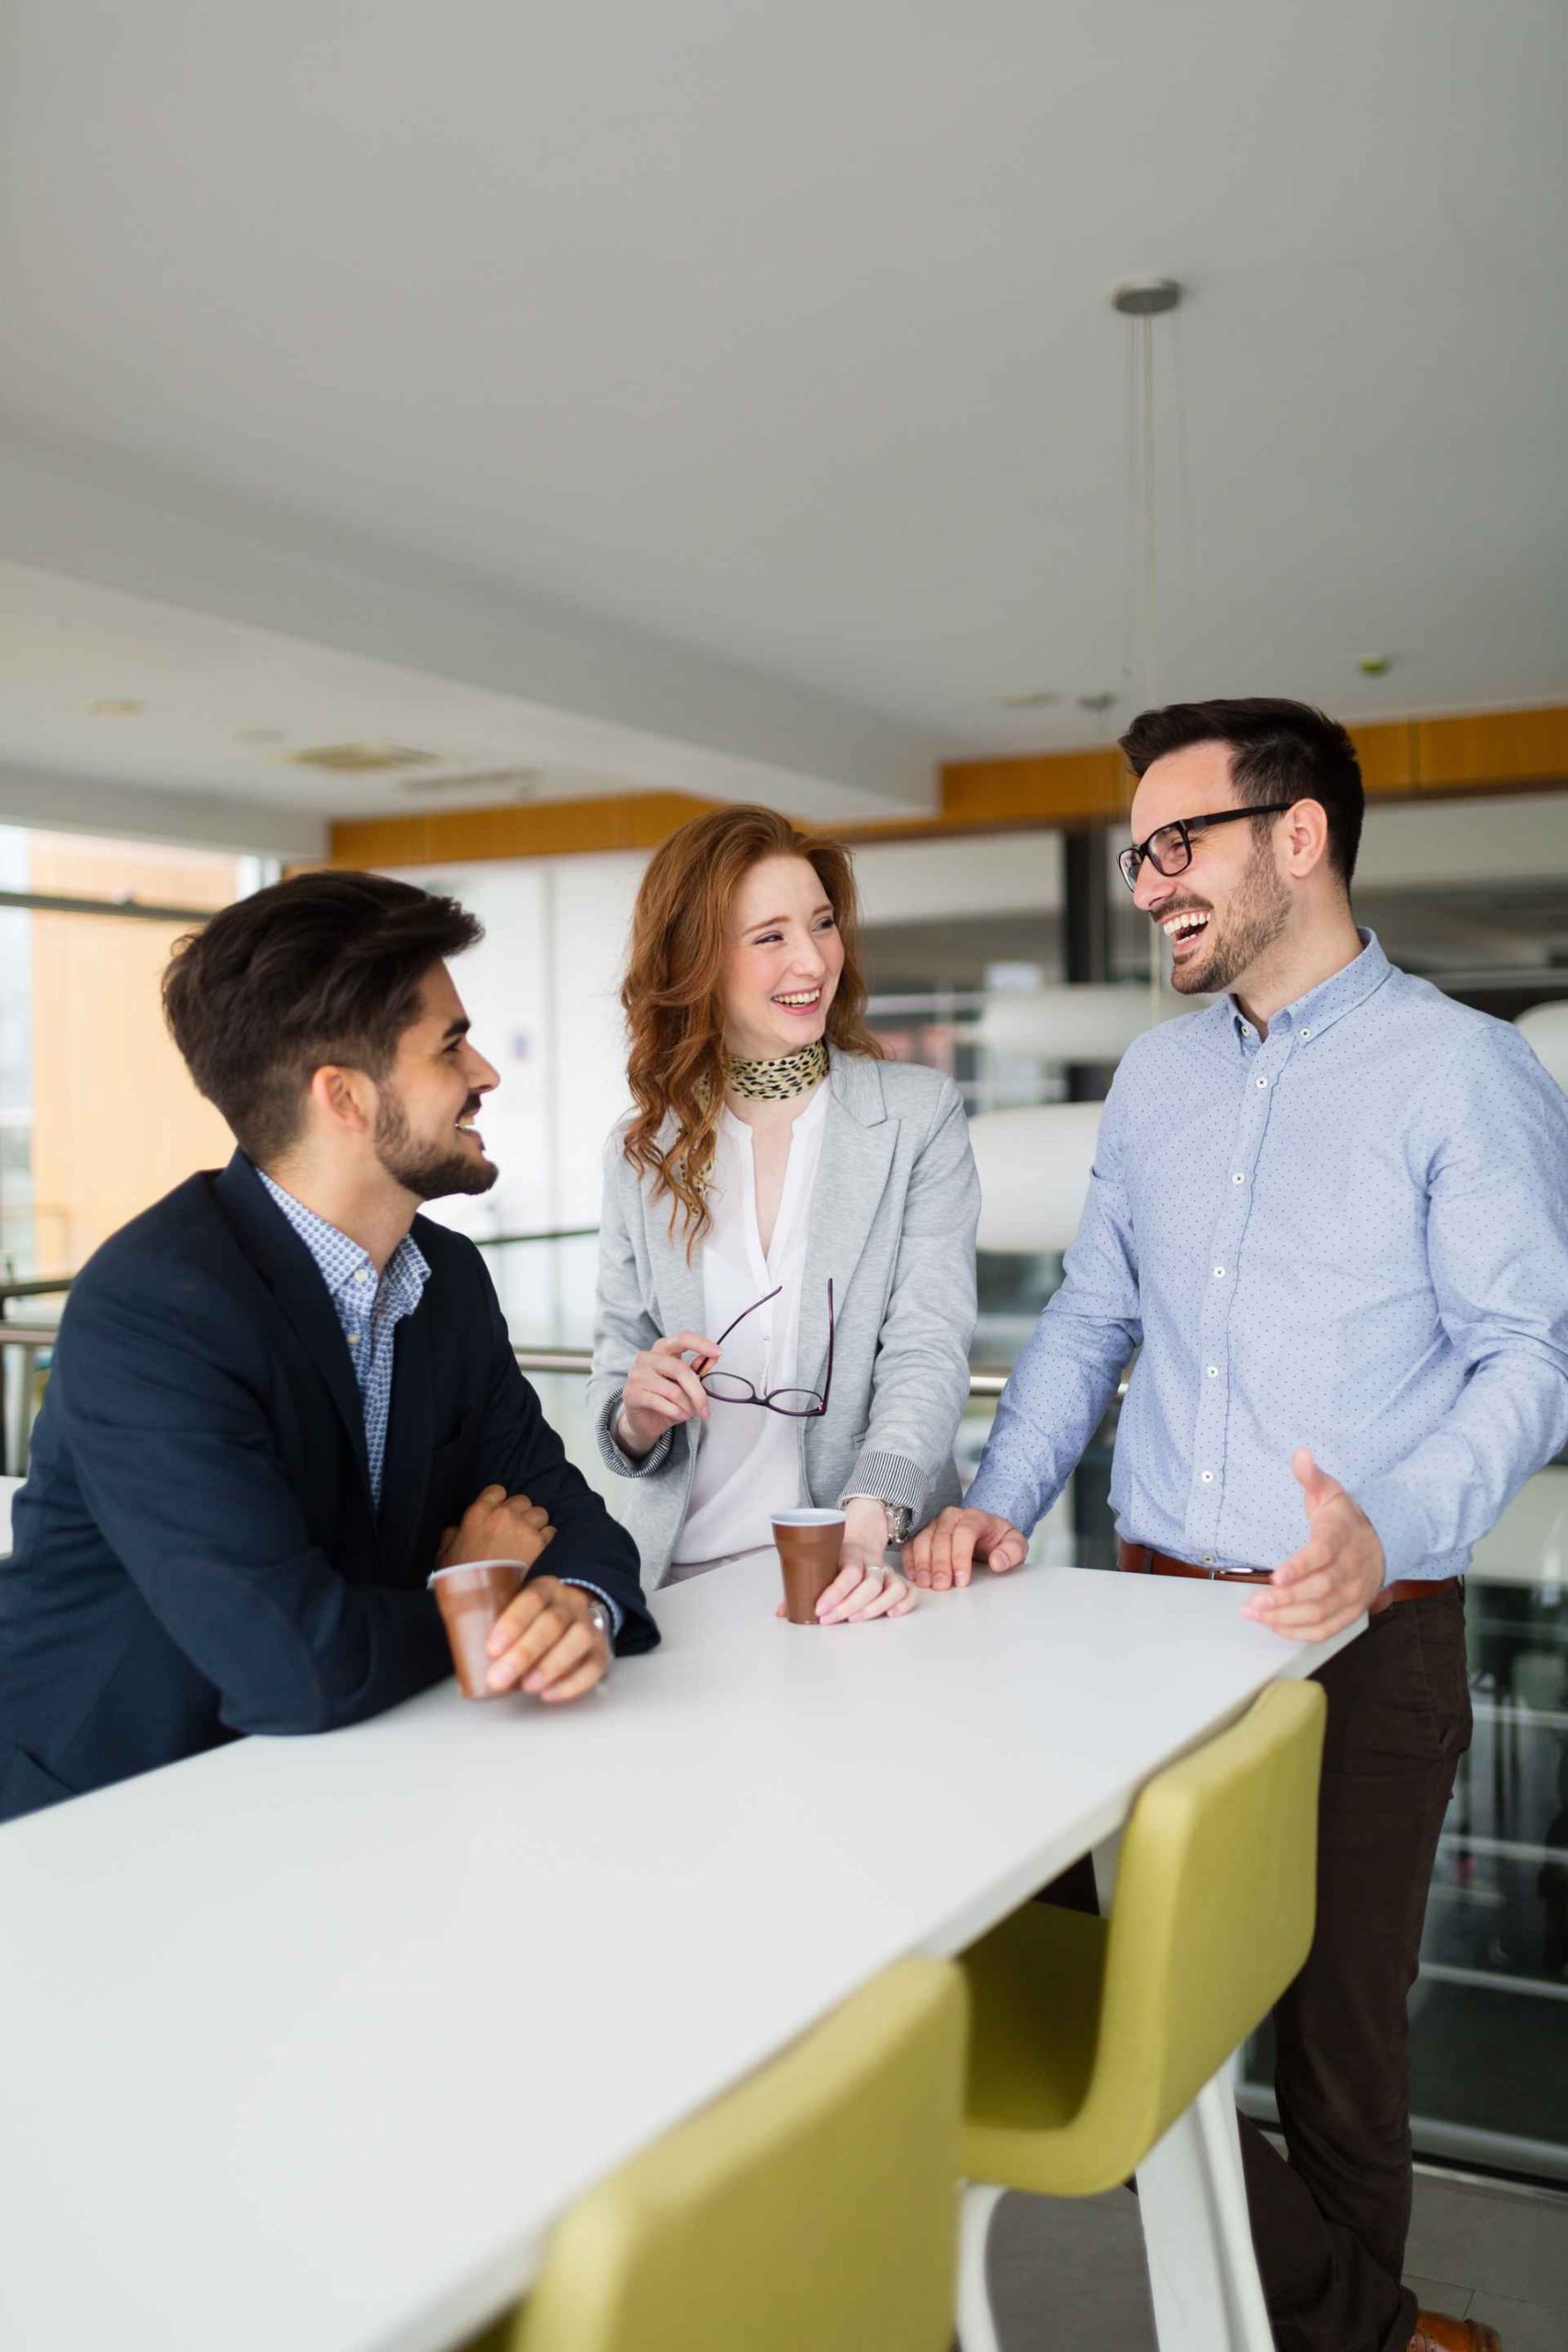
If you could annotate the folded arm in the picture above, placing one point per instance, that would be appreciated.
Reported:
(177, 1462)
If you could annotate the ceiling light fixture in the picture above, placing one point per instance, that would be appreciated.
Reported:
(1141, 301)
(1041, 698)
(361, 759)
(115, 707)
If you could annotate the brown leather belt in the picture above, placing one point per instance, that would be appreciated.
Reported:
(1141, 1559)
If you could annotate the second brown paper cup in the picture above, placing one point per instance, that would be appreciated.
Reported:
(809, 1545)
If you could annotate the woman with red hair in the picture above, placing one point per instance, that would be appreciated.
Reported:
(782, 1186)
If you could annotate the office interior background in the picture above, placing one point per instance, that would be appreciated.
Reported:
(473, 473)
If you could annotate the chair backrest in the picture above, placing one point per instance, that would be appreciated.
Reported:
(816, 2205)
(1213, 1909)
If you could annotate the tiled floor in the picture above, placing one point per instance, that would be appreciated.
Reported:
(1069, 2275)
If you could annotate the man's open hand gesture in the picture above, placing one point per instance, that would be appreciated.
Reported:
(1337, 1572)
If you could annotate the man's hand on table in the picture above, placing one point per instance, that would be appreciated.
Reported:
(1337, 1572)
(945, 1552)
(546, 1641)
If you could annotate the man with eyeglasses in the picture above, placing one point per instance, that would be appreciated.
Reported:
(1329, 1213)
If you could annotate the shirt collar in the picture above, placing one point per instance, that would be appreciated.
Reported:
(340, 1259)
(1343, 990)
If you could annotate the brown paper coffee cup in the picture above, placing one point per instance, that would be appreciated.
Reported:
(472, 1597)
(809, 1545)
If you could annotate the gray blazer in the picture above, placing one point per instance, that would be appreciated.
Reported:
(893, 1217)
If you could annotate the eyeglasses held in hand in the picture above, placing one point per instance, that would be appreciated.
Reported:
(1169, 849)
(798, 1403)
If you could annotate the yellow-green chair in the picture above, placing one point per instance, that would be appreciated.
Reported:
(813, 2209)
(1099, 2048)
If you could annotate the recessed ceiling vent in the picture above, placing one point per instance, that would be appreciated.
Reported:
(520, 783)
(361, 759)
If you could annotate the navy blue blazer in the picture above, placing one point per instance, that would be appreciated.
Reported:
(197, 1552)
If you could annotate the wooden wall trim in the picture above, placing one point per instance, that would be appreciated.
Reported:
(1402, 759)
(552, 829)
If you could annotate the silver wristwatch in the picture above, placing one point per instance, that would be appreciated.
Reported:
(897, 1516)
(600, 1617)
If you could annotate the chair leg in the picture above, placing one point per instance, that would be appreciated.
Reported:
(977, 2328)
(1202, 2270)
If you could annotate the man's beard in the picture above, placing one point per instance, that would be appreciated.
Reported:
(1255, 921)
(427, 1169)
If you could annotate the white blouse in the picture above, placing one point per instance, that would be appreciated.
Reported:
(748, 1463)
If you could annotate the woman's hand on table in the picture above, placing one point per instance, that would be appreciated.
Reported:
(662, 1390)
(865, 1587)
(945, 1553)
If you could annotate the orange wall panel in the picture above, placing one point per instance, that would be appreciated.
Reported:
(117, 1122)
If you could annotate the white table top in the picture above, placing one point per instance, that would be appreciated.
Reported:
(308, 2042)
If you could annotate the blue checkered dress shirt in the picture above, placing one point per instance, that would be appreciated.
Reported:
(369, 1309)
(370, 1312)
(1351, 1234)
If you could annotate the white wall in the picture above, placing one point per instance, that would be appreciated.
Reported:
(997, 874)
(541, 990)
(1426, 844)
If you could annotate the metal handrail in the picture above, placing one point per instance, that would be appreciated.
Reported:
(45, 1285)
(985, 1380)
(31, 1341)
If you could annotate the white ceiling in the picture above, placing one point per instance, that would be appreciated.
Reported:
(207, 686)
(741, 377)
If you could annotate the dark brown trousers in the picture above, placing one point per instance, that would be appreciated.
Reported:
(1329, 2221)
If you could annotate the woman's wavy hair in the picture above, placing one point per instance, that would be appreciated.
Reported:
(677, 1063)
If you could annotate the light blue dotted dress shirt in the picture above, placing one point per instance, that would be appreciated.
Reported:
(369, 1309)
(1352, 1235)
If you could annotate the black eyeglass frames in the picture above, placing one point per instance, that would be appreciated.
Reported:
(796, 1404)
(1170, 848)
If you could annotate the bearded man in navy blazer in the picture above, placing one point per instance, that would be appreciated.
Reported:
(281, 1397)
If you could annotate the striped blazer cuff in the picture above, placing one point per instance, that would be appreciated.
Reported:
(888, 1479)
(629, 1466)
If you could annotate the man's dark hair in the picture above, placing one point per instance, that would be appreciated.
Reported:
(1281, 750)
(324, 967)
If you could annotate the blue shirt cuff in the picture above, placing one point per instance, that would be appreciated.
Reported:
(617, 1615)
(1401, 1528)
(990, 1492)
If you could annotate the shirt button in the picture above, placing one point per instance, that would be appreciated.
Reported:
(1219, 1273)
(1263, 1081)
(1306, 1032)
(1238, 1180)
(352, 1339)
(363, 1276)
(1213, 1370)
(1207, 1476)
(1207, 1559)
